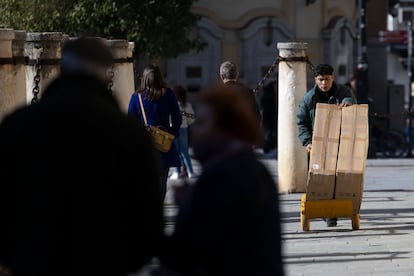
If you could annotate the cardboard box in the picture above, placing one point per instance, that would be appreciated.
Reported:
(353, 147)
(320, 186)
(350, 186)
(325, 139)
(352, 155)
(324, 154)
(339, 153)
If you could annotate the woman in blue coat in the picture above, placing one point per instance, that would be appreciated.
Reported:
(161, 109)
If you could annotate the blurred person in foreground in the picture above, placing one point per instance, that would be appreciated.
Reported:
(79, 183)
(161, 109)
(228, 221)
(325, 90)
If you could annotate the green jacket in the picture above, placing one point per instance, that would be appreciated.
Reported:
(305, 117)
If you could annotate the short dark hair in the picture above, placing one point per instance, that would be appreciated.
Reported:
(86, 49)
(323, 69)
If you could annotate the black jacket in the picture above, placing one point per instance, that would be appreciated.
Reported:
(228, 221)
(249, 94)
(305, 117)
(79, 185)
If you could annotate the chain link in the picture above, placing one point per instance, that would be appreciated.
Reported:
(186, 114)
(266, 76)
(276, 62)
(111, 75)
(36, 81)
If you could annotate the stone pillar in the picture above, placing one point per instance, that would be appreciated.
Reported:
(44, 48)
(292, 157)
(19, 86)
(123, 80)
(6, 72)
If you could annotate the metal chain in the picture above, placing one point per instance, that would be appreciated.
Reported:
(266, 76)
(111, 75)
(275, 62)
(189, 115)
(36, 81)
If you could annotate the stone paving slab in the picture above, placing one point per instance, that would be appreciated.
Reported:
(384, 244)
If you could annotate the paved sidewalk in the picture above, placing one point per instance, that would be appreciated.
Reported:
(383, 246)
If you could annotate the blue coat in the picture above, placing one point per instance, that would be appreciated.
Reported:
(160, 112)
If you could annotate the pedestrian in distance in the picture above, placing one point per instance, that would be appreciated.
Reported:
(269, 106)
(79, 178)
(229, 75)
(325, 90)
(228, 221)
(188, 116)
(161, 109)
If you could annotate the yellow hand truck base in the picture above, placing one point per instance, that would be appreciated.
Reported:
(327, 208)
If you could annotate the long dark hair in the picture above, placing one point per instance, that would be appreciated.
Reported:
(152, 82)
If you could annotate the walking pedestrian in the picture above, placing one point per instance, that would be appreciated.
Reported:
(78, 177)
(268, 103)
(229, 75)
(325, 90)
(161, 109)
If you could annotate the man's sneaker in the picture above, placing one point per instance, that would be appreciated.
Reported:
(331, 222)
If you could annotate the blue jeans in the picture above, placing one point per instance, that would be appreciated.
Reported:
(182, 146)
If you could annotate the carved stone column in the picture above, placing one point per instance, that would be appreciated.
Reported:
(42, 49)
(123, 80)
(19, 86)
(292, 157)
(6, 72)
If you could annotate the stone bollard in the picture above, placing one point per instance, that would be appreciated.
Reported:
(44, 53)
(292, 156)
(123, 80)
(6, 72)
(19, 86)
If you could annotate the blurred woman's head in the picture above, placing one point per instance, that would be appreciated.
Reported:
(224, 111)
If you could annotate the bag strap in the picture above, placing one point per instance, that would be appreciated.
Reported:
(142, 108)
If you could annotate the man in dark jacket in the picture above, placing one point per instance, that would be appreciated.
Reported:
(79, 178)
(229, 75)
(326, 90)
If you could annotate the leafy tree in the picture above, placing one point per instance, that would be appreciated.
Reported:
(159, 28)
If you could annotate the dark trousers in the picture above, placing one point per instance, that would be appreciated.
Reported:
(163, 183)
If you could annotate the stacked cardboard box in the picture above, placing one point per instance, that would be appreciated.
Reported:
(324, 154)
(352, 156)
(339, 152)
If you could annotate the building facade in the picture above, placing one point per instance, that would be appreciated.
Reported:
(247, 32)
